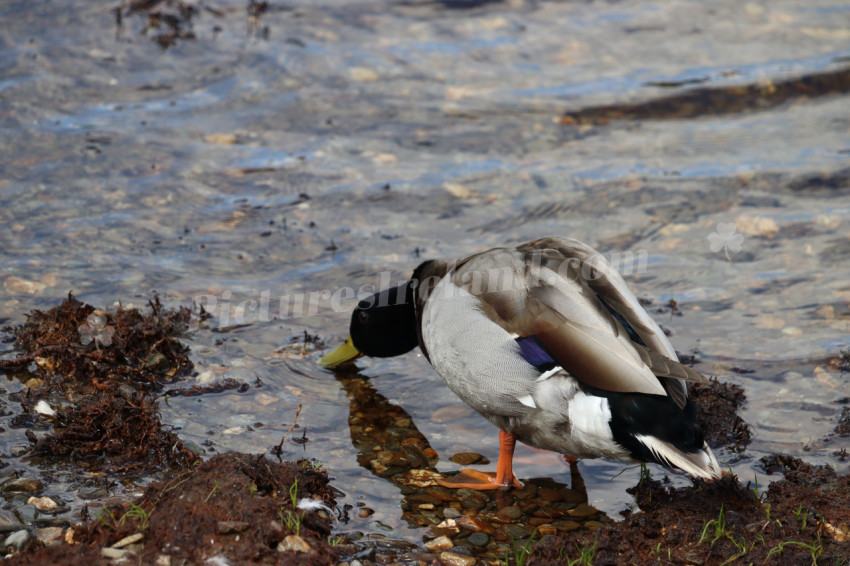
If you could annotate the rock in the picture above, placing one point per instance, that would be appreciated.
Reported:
(157, 362)
(439, 543)
(471, 499)
(512, 512)
(517, 532)
(584, 510)
(593, 525)
(550, 494)
(229, 527)
(421, 478)
(43, 503)
(294, 543)
(566, 526)
(467, 458)
(451, 513)
(49, 536)
(116, 553)
(163, 560)
(26, 514)
(547, 530)
(22, 485)
(475, 524)
(454, 559)
(17, 540)
(8, 522)
(128, 540)
(478, 539)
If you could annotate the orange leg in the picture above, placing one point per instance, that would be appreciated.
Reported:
(504, 477)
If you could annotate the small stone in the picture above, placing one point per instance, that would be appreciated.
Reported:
(421, 478)
(512, 512)
(478, 539)
(547, 530)
(69, 536)
(26, 514)
(364, 512)
(593, 525)
(43, 408)
(157, 362)
(49, 536)
(426, 506)
(584, 510)
(229, 527)
(43, 503)
(128, 540)
(566, 526)
(440, 543)
(475, 524)
(517, 532)
(8, 522)
(22, 485)
(293, 543)
(116, 553)
(550, 494)
(466, 458)
(451, 513)
(162, 560)
(20, 449)
(454, 559)
(17, 540)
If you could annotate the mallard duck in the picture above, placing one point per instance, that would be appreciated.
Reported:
(549, 344)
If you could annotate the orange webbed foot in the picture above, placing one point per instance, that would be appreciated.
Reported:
(474, 479)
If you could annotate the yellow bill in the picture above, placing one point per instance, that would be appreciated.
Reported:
(343, 354)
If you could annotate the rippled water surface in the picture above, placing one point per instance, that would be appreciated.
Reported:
(319, 145)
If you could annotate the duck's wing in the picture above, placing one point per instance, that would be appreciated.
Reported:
(571, 300)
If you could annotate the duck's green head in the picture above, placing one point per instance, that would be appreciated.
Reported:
(382, 326)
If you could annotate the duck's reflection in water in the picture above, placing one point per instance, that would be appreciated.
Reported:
(482, 523)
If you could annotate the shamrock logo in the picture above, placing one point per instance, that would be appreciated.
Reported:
(95, 330)
(725, 239)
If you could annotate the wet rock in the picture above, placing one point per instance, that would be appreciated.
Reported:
(439, 492)
(593, 525)
(49, 536)
(475, 524)
(19, 449)
(518, 531)
(364, 512)
(43, 503)
(17, 540)
(451, 513)
(584, 510)
(294, 543)
(8, 522)
(157, 362)
(23, 485)
(424, 478)
(478, 539)
(439, 543)
(454, 559)
(471, 499)
(544, 530)
(566, 526)
(26, 514)
(550, 494)
(512, 512)
(467, 458)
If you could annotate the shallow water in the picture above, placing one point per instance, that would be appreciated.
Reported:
(360, 137)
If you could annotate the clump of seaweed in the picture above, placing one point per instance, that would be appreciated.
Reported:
(93, 373)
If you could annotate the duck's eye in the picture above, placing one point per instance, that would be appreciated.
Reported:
(363, 317)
